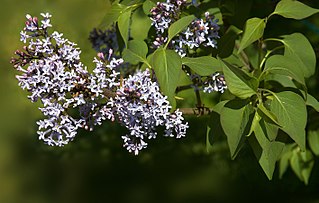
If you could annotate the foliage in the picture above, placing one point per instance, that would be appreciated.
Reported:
(265, 103)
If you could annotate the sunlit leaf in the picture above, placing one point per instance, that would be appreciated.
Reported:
(136, 52)
(179, 26)
(291, 112)
(254, 30)
(282, 65)
(204, 66)
(124, 24)
(298, 48)
(294, 9)
(238, 82)
(167, 65)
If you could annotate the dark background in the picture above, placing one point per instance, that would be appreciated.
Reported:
(95, 167)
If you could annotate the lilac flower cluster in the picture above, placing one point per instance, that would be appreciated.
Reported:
(212, 83)
(141, 107)
(199, 32)
(164, 14)
(104, 40)
(73, 98)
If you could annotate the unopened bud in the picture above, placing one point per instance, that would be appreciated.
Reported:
(100, 55)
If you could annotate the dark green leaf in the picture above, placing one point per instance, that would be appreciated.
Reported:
(298, 47)
(284, 159)
(226, 43)
(124, 24)
(271, 151)
(136, 52)
(313, 140)
(282, 65)
(167, 65)
(179, 26)
(291, 113)
(302, 164)
(267, 115)
(235, 117)
(204, 66)
(254, 30)
(294, 9)
(238, 82)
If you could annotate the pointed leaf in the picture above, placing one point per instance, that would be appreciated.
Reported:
(291, 113)
(204, 66)
(167, 65)
(112, 15)
(238, 82)
(302, 164)
(313, 140)
(254, 30)
(235, 116)
(294, 9)
(135, 52)
(267, 115)
(147, 6)
(271, 151)
(285, 159)
(140, 25)
(179, 26)
(298, 47)
(124, 24)
(282, 65)
(313, 102)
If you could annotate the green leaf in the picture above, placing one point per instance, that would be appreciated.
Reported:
(284, 159)
(294, 9)
(136, 52)
(167, 65)
(140, 25)
(204, 66)
(291, 113)
(313, 140)
(271, 151)
(179, 26)
(298, 47)
(267, 115)
(254, 30)
(147, 6)
(282, 65)
(235, 117)
(238, 82)
(302, 164)
(124, 24)
(112, 15)
(313, 102)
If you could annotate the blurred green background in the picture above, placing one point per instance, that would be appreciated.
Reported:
(95, 167)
